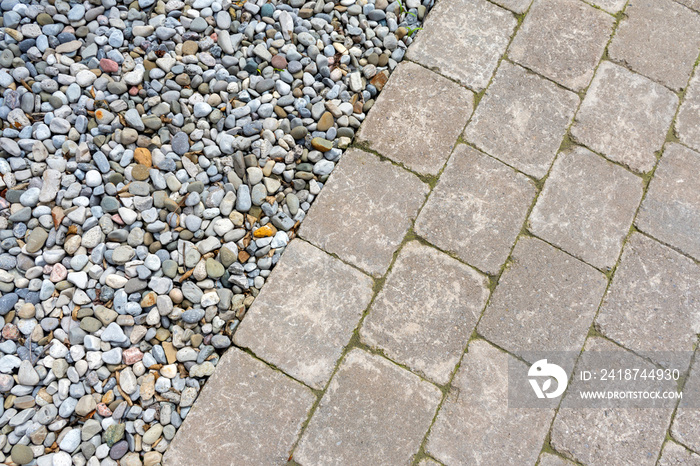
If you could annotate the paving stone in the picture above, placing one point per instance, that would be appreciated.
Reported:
(548, 459)
(674, 454)
(418, 118)
(562, 40)
(516, 6)
(686, 424)
(475, 424)
(542, 284)
(587, 207)
(428, 462)
(463, 40)
(694, 4)
(303, 333)
(653, 303)
(611, 6)
(687, 127)
(424, 321)
(246, 409)
(373, 412)
(365, 211)
(522, 119)
(659, 39)
(625, 116)
(477, 209)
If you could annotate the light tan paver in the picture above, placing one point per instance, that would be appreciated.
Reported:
(364, 211)
(611, 6)
(547, 459)
(675, 455)
(426, 311)
(373, 412)
(247, 413)
(417, 118)
(463, 40)
(687, 127)
(694, 4)
(686, 424)
(522, 119)
(477, 209)
(304, 318)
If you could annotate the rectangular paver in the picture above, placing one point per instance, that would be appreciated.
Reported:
(373, 412)
(516, 6)
(522, 119)
(477, 209)
(463, 40)
(364, 211)
(676, 455)
(562, 40)
(686, 424)
(611, 6)
(587, 207)
(687, 127)
(426, 311)
(304, 317)
(247, 413)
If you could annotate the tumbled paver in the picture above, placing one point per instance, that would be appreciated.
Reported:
(595, 435)
(659, 39)
(247, 413)
(516, 6)
(364, 211)
(418, 118)
(548, 459)
(562, 40)
(477, 209)
(542, 284)
(304, 318)
(687, 126)
(587, 207)
(686, 424)
(463, 40)
(611, 6)
(625, 117)
(426, 311)
(675, 455)
(522, 119)
(475, 424)
(373, 412)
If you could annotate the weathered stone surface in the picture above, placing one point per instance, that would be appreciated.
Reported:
(477, 209)
(587, 207)
(625, 116)
(304, 317)
(611, 6)
(423, 321)
(687, 127)
(686, 424)
(516, 6)
(373, 412)
(246, 409)
(562, 40)
(671, 210)
(522, 119)
(694, 4)
(418, 118)
(475, 424)
(365, 211)
(659, 39)
(674, 454)
(548, 459)
(463, 40)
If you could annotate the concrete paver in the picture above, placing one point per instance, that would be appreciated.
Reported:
(675, 455)
(686, 424)
(687, 127)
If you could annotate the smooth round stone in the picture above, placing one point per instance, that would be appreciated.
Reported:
(22, 454)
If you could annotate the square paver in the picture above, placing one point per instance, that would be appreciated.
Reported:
(548, 459)
(687, 127)
(562, 40)
(247, 412)
(542, 284)
(671, 210)
(625, 116)
(302, 320)
(373, 412)
(418, 118)
(463, 40)
(676, 455)
(686, 424)
(516, 6)
(426, 311)
(477, 209)
(522, 119)
(659, 39)
(475, 424)
(587, 207)
(611, 6)
(364, 211)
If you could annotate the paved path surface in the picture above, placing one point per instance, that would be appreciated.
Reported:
(528, 180)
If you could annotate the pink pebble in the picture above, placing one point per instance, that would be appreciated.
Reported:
(109, 66)
(132, 355)
(58, 273)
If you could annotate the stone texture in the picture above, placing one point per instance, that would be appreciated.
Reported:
(247, 411)
(522, 119)
(463, 40)
(548, 459)
(303, 333)
(587, 207)
(418, 118)
(694, 4)
(611, 6)
(671, 209)
(687, 127)
(475, 425)
(516, 6)
(426, 311)
(373, 412)
(659, 39)
(686, 424)
(562, 40)
(365, 211)
(625, 116)
(542, 284)
(675, 455)
(477, 209)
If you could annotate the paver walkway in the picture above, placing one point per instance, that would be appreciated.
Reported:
(527, 181)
